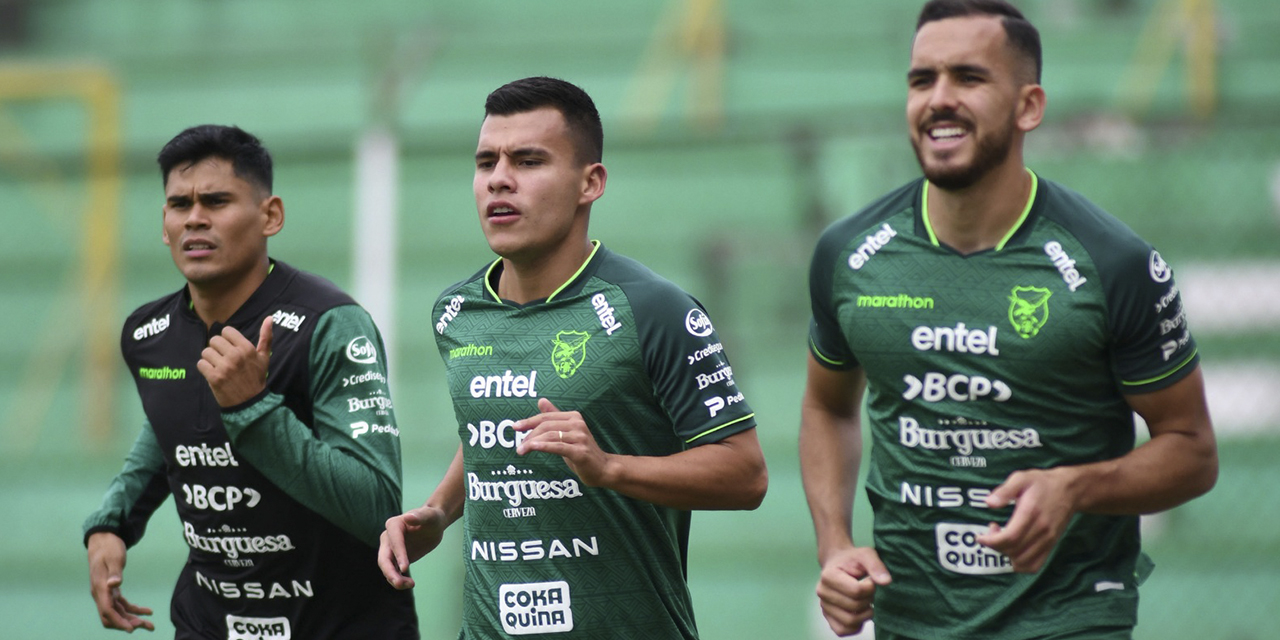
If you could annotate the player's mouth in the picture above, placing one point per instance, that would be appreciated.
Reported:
(501, 212)
(198, 247)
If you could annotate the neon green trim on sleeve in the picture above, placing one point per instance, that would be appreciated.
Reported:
(1162, 376)
(727, 424)
(813, 346)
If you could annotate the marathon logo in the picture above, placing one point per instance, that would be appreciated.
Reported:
(162, 373)
(535, 607)
(154, 327)
(960, 552)
(239, 628)
(286, 320)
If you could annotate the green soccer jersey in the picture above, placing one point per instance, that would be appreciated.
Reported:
(547, 556)
(983, 364)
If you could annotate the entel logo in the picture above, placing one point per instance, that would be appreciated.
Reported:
(605, 313)
(362, 351)
(535, 607)
(875, 242)
(697, 323)
(451, 310)
(286, 320)
(239, 628)
(155, 326)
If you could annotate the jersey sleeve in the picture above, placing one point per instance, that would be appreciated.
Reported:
(1152, 344)
(827, 342)
(348, 470)
(690, 371)
(134, 494)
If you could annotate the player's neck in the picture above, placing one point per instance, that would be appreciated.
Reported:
(978, 217)
(217, 301)
(528, 278)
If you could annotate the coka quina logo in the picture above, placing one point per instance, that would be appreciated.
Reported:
(1029, 309)
(568, 352)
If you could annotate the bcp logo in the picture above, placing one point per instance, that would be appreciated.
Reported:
(362, 351)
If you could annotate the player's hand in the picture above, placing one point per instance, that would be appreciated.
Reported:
(847, 587)
(235, 368)
(408, 537)
(564, 433)
(106, 573)
(1043, 505)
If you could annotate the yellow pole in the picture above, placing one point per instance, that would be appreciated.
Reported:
(98, 278)
(1202, 57)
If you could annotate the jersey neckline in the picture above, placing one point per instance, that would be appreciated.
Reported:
(1013, 231)
(574, 282)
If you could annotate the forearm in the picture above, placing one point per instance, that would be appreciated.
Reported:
(1166, 471)
(830, 453)
(450, 495)
(729, 474)
(350, 488)
(134, 494)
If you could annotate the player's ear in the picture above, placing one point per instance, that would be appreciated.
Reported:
(594, 178)
(1031, 104)
(273, 210)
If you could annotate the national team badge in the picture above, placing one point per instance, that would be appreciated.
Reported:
(568, 351)
(1029, 309)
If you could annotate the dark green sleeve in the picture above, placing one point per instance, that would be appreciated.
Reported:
(348, 470)
(134, 494)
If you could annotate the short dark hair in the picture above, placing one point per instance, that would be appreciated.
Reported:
(249, 159)
(1022, 35)
(580, 115)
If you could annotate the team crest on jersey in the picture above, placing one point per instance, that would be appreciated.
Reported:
(1029, 309)
(568, 351)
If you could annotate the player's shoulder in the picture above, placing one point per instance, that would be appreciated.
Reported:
(155, 314)
(307, 290)
(1109, 242)
(875, 214)
(471, 285)
(642, 286)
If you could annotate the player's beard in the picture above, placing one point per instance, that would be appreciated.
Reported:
(992, 150)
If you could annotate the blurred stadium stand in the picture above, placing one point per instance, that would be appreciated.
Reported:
(735, 130)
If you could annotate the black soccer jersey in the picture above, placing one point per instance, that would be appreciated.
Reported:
(983, 364)
(282, 499)
(640, 360)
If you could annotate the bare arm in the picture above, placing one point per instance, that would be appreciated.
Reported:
(1178, 463)
(417, 532)
(830, 455)
(831, 451)
(729, 474)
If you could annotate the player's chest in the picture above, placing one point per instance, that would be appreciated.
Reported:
(931, 307)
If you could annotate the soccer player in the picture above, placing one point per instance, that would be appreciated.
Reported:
(268, 420)
(1003, 330)
(595, 404)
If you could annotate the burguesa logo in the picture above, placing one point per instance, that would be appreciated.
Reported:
(361, 350)
(697, 323)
